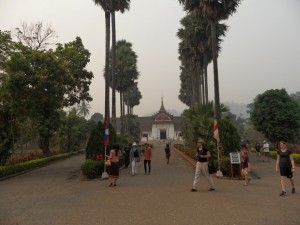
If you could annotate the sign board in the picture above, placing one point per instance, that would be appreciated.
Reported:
(235, 158)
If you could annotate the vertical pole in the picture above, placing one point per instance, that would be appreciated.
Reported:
(219, 172)
(104, 174)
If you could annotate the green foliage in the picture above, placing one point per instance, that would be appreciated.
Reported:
(91, 168)
(95, 145)
(230, 139)
(17, 168)
(197, 122)
(40, 83)
(74, 132)
(296, 97)
(296, 158)
(275, 114)
(133, 126)
(225, 165)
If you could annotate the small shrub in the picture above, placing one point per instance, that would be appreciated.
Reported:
(92, 168)
(296, 158)
(225, 165)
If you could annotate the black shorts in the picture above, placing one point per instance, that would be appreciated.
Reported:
(286, 172)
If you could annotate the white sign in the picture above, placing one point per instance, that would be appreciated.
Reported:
(235, 158)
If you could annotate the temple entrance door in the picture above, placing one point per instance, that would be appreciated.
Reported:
(163, 134)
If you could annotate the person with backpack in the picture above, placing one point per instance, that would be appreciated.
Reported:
(135, 159)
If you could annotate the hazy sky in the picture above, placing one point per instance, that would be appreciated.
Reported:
(260, 51)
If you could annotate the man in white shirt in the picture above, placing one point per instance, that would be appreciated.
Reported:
(266, 149)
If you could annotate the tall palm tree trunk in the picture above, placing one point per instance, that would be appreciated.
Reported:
(107, 39)
(216, 75)
(113, 66)
(121, 113)
(205, 78)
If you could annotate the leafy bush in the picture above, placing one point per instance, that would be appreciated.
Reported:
(229, 136)
(225, 165)
(273, 154)
(296, 158)
(92, 168)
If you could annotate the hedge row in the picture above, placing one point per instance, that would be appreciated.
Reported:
(296, 156)
(17, 168)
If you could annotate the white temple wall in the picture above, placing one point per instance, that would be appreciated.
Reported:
(168, 127)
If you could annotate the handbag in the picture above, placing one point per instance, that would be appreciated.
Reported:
(108, 163)
(244, 171)
(211, 167)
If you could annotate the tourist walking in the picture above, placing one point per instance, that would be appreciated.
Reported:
(127, 155)
(203, 156)
(168, 153)
(257, 149)
(245, 165)
(266, 150)
(114, 168)
(135, 159)
(286, 165)
(147, 158)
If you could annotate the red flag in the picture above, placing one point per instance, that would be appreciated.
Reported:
(216, 131)
(106, 133)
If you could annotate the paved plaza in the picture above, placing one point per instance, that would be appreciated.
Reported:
(58, 195)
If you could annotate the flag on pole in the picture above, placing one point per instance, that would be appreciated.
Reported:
(106, 133)
(216, 131)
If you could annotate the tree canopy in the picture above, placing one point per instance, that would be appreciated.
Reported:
(37, 84)
(275, 114)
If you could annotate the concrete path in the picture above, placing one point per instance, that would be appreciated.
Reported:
(57, 195)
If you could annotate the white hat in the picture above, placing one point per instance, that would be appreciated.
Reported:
(264, 141)
(133, 144)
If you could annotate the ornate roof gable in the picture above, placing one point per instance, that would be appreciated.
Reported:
(162, 117)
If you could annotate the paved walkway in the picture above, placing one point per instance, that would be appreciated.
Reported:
(56, 195)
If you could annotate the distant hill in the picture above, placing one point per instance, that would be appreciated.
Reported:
(238, 109)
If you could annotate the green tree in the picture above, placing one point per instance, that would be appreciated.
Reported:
(7, 121)
(126, 73)
(74, 131)
(229, 136)
(95, 144)
(83, 108)
(41, 83)
(296, 97)
(96, 117)
(276, 115)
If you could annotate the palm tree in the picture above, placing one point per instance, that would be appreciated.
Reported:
(117, 5)
(126, 71)
(83, 109)
(106, 6)
(213, 11)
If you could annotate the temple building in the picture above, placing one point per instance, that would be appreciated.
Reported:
(160, 126)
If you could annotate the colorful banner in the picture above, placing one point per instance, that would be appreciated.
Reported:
(106, 133)
(216, 131)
